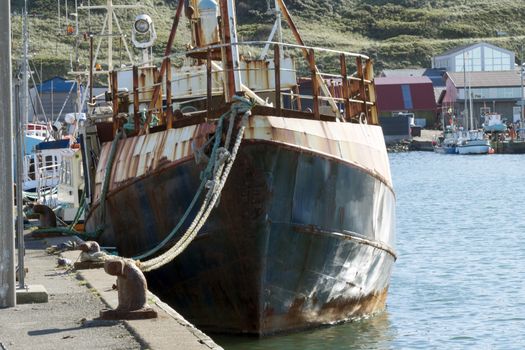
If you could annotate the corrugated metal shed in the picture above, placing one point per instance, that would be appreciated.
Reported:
(405, 94)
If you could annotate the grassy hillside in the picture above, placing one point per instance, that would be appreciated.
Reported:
(398, 33)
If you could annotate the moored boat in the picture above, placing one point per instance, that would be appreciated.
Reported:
(447, 143)
(473, 142)
(493, 123)
(303, 232)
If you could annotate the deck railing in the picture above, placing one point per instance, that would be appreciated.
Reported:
(340, 84)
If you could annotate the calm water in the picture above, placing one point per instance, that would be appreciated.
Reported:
(459, 281)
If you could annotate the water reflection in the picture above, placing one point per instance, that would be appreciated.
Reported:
(374, 332)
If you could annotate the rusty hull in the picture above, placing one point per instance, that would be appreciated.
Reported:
(301, 238)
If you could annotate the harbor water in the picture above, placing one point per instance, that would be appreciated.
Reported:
(459, 281)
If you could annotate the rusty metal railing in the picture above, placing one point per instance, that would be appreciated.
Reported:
(349, 97)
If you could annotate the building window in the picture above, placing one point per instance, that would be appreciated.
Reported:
(442, 63)
(407, 97)
(496, 60)
(469, 60)
(492, 93)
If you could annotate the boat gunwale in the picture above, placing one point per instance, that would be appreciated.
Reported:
(252, 142)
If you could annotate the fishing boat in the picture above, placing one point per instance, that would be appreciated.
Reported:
(43, 155)
(493, 123)
(297, 209)
(447, 143)
(473, 142)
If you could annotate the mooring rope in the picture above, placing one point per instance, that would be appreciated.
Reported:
(221, 162)
(213, 178)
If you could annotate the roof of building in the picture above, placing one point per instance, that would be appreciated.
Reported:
(55, 84)
(464, 47)
(406, 72)
(435, 75)
(456, 49)
(402, 80)
(485, 79)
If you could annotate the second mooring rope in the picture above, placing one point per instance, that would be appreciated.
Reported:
(222, 162)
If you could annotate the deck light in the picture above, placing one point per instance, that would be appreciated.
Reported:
(143, 33)
(142, 24)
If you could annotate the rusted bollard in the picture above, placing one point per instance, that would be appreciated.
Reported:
(46, 215)
(132, 287)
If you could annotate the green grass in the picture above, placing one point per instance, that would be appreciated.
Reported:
(396, 33)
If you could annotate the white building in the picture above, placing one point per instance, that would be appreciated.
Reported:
(481, 57)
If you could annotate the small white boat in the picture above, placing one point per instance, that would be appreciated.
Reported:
(43, 158)
(473, 142)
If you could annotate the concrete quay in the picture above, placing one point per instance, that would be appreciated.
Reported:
(70, 318)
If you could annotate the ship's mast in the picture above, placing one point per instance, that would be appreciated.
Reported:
(110, 35)
(109, 20)
(279, 22)
(471, 107)
(276, 29)
(230, 52)
(465, 93)
(106, 32)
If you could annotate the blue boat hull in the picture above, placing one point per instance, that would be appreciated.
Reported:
(445, 150)
(298, 240)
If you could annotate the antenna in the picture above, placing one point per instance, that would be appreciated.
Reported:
(58, 3)
(110, 19)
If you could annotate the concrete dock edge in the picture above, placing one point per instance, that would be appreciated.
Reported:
(169, 331)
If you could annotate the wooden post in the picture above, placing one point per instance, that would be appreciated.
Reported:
(167, 51)
(169, 109)
(228, 68)
(209, 84)
(297, 93)
(91, 68)
(315, 85)
(369, 75)
(114, 94)
(320, 83)
(136, 101)
(277, 66)
(293, 27)
(345, 87)
(362, 88)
